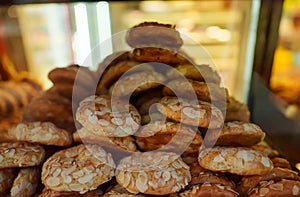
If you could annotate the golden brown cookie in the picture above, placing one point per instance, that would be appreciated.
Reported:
(235, 134)
(8, 123)
(45, 133)
(7, 177)
(51, 193)
(118, 191)
(153, 34)
(160, 55)
(249, 182)
(81, 168)
(236, 111)
(20, 154)
(286, 188)
(157, 173)
(195, 72)
(195, 113)
(107, 116)
(281, 163)
(235, 160)
(135, 83)
(26, 182)
(169, 136)
(264, 148)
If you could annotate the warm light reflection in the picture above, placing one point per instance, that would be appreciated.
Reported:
(215, 32)
(298, 166)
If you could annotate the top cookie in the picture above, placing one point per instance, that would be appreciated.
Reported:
(153, 34)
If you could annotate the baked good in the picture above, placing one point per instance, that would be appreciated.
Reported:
(107, 116)
(169, 136)
(235, 160)
(195, 113)
(286, 188)
(81, 168)
(281, 162)
(235, 134)
(249, 182)
(134, 83)
(236, 111)
(7, 177)
(195, 72)
(45, 133)
(160, 55)
(8, 123)
(51, 193)
(265, 148)
(157, 173)
(26, 182)
(20, 154)
(118, 191)
(153, 34)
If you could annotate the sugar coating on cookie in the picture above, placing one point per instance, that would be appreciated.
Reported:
(107, 116)
(20, 154)
(81, 168)
(157, 173)
(236, 160)
(42, 133)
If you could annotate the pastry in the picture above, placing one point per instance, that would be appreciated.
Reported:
(7, 177)
(281, 162)
(264, 148)
(52, 193)
(81, 168)
(236, 111)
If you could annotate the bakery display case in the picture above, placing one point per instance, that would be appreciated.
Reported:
(146, 98)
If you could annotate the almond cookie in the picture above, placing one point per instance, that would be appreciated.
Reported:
(45, 133)
(135, 83)
(20, 154)
(157, 173)
(195, 72)
(281, 162)
(7, 177)
(204, 91)
(249, 182)
(165, 56)
(235, 160)
(169, 136)
(264, 148)
(208, 190)
(195, 113)
(81, 168)
(153, 34)
(118, 191)
(235, 134)
(107, 116)
(26, 182)
(286, 188)
(236, 111)
(51, 193)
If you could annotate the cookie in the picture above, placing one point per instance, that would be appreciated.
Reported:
(20, 154)
(264, 148)
(286, 188)
(281, 162)
(160, 55)
(118, 191)
(152, 117)
(195, 72)
(209, 92)
(169, 136)
(208, 190)
(236, 111)
(26, 182)
(81, 168)
(8, 104)
(153, 34)
(235, 134)
(51, 193)
(157, 173)
(107, 116)
(7, 177)
(45, 133)
(235, 160)
(249, 182)
(135, 83)
(195, 113)
(112, 144)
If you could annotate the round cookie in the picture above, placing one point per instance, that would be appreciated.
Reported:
(235, 160)
(26, 182)
(281, 163)
(264, 148)
(81, 168)
(195, 72)
(195, 113)
(118, 191)
(45, 133)
(107, 116)
(236, 111)
(169, 136)
(157, 173)
(20, 154)
(286, 188)
(135, 83)
(153, 34)
(7, 177)
(249, 182)
(51, 193)
(235, 134)
(165, 56)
